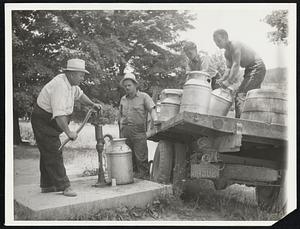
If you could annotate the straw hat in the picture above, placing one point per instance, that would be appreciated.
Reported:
(129, 76)
(77, 65)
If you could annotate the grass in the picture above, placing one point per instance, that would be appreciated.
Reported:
(233, 209)
(203, 207)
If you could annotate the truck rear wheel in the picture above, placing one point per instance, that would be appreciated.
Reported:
(271, 198)
(162, 162)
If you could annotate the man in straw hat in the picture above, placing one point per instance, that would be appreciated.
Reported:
(239, 55)
(134, 107)
(50, 117)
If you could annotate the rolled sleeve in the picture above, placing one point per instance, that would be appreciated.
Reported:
(78, 93)
(149, 104)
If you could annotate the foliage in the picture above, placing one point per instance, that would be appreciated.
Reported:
(109, 41)
(219, 62)
(279, 20)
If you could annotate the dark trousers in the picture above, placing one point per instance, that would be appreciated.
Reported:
(253, 78)
(46, 132)
(137, 141)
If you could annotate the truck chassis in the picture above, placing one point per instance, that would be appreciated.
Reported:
(224, 150)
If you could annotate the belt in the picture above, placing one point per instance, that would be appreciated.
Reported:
(41, 112)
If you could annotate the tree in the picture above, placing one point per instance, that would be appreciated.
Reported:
(279, 20)
(109, 41)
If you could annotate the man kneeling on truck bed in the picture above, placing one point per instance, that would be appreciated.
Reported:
(239, 55)
(134, 107)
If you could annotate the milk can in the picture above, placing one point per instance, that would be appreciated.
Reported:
(196, 93)
(119, 161)
(220, 102)
(170, 103)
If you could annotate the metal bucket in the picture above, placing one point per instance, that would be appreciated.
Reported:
(170, 103)
(196, 93)
(265, 105)
(119, 158)
(220, 102)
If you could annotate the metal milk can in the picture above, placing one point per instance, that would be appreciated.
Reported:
(119, 161)
(170, 103)
(196, 93)
(220, 102)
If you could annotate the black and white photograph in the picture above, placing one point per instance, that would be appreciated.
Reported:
(150, 114)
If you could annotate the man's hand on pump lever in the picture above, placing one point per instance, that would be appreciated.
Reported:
(72, 135)
(97, 106)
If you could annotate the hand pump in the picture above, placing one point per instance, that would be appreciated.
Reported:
(99, 147)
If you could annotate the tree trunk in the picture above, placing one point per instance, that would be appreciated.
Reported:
(17, 134)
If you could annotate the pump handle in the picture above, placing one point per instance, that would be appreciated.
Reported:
(88, 115)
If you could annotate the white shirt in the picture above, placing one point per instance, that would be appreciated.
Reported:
(58, 96)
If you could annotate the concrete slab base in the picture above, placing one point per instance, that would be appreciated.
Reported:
(31, 204)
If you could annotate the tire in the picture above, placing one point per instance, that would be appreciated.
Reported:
(180, 171)
(271, 198)
(162, 163)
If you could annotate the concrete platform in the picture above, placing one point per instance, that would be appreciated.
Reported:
(31, 204)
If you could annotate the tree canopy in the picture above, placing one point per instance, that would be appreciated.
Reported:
(109, 41)
(279, 20)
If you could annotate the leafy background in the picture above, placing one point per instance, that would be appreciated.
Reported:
(111, 42)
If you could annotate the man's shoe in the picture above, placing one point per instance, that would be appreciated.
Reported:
(69, 192)
(48, 189)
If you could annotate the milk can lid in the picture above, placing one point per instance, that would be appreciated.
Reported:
(198, 72)
(172, 91)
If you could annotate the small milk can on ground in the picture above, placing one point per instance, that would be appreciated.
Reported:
(170, 103)
(120, 161)
(220, 102)
(196, 93)
(266, 105)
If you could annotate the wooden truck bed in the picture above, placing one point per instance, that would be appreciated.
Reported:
(188, 126)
